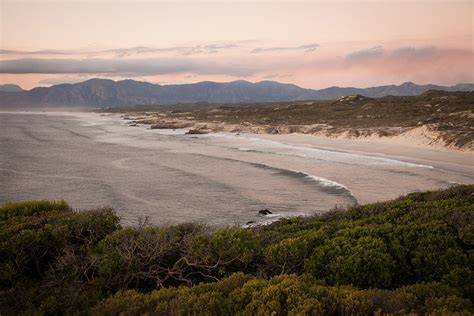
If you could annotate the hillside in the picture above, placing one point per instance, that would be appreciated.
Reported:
(413, 255)
(108, 93)
(443, 118)
(10, 88)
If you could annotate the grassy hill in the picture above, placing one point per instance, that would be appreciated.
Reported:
(448, 114)
(439, 117)
(413, 255)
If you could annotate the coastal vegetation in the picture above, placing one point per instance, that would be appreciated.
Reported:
(413, 255)
(444, 117)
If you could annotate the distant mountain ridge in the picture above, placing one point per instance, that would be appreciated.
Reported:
(10, 88)
(109, 93)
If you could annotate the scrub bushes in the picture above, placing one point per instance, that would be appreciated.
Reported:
(412, 255)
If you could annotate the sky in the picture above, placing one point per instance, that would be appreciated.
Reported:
(313, 43)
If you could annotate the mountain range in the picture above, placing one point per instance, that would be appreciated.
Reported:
(10, 88)
(109, 93)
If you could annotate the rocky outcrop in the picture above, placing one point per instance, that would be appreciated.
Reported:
(198, 131)
(171, 124)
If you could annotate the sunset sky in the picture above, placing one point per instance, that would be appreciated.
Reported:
(314, 44)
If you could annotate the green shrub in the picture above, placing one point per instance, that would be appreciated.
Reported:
(364, 262)
(412, 255)
(212, 255)
(289, 254)
(144, 258)
(28, 245)
(44, 256)
(30, 208)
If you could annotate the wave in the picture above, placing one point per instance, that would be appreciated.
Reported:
(327, 182)
(323, 184)
(274, 147)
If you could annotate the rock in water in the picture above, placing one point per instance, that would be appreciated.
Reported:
(264, 212)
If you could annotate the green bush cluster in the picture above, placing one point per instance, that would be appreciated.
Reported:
(241, 294)
(410, 255)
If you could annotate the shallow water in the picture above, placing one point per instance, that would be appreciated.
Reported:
(92, 161)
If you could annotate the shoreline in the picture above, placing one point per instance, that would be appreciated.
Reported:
(411, 146)
(448, 160)
(245, 169)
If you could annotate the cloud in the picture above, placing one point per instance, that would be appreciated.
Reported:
(125, 52)
(365, 67)
(427, 64)
(367, 53)
(114, 67)
(410, 51)
(275, 75)
(306, 48)
(406, 53)
(154, 52)
(186, 50)
(60, 80)
(39, 52)
(183, 50)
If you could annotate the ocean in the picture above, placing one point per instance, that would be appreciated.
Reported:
(166, 176)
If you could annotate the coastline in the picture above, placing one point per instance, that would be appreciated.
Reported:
(386, 147)
(290, 174)
(416, 145)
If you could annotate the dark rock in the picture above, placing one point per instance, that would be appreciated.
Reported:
(171, 125)
(264, 212)
(197, 131)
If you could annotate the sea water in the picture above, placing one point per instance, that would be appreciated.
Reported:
(168, 176)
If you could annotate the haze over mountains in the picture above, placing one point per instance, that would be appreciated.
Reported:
(109, 93)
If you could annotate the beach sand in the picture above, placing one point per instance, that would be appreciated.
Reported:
(403, 149)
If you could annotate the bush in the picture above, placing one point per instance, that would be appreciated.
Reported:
(28, 245)
(241, 294)
(144, 258)
(288, 255)
(412, 255)
(212, 255)
(30, 208)
(43, 252)
(364, 262)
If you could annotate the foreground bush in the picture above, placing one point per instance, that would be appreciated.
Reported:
(411, 255)
(241, 294)
(46, 253)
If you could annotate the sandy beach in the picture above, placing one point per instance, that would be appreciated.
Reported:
(373, 168)
(388, 147)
